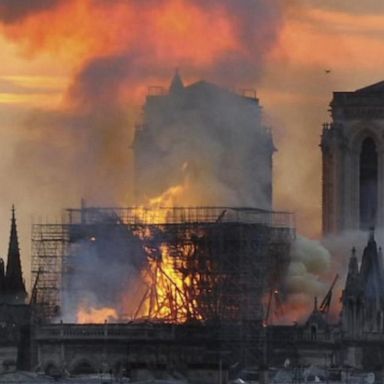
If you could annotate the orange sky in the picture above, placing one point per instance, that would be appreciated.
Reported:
(45, 54)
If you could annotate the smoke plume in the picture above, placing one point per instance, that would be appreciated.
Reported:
(85, 143)
(104, 272)
(313, 267)
(308, 272)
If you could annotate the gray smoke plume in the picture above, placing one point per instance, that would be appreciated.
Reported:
(209, 142)
(314, 265)
(86, 147)
(83, 149)
(103, 271)
(307, 278)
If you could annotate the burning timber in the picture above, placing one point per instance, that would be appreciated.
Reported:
(204, 267)
(169, 264)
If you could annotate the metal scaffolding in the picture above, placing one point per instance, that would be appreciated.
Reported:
(49, 246)
(212, 263)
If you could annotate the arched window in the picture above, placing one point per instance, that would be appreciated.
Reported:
(368, 183)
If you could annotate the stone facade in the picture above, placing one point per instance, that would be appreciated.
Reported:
(356, 341)
(130, 349)
(353, 161)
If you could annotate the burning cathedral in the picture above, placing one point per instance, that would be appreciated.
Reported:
(169, 288)
(172, 289)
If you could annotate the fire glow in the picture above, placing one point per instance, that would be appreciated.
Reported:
(155, 34)
(199, 264)
(88, 315)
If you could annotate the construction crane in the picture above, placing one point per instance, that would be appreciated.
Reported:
(32, 301)
(221, 216)
(326, 303)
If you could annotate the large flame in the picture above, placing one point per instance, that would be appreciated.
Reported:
(166, 295)
(89, 315)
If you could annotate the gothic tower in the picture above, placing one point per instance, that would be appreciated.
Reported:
(14, 284)
(363, 296)
(353, 163)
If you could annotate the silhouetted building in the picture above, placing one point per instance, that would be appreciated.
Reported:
(353, 167)
(363, 296)
(14, 312)
(210, 135)
(12, 288)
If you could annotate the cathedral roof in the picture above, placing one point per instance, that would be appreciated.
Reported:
(373, 88)
(201, 89)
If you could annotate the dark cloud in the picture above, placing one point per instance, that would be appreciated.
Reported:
(257, 25)
(12, 11)
(100, 80)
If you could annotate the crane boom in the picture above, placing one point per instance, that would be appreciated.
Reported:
(326, 303)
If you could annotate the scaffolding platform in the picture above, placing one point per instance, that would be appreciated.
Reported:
(197, 264)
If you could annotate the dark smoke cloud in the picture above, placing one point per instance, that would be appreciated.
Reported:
(87, 147)
(111, 259)
(257, 25)
(250, 16)
(12, 11)
(100, 81)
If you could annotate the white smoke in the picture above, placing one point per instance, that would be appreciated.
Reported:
(306, 279)
(309, 260)
(314, 265)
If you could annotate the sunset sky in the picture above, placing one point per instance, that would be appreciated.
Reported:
(73, 71)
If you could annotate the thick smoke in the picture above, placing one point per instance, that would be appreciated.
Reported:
(103, 272)
(13, 11)
(314, 265)
(307, 278)
(114, 50)
(208, 142)
(85, 144)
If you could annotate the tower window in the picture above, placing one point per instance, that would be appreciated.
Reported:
(368, 183)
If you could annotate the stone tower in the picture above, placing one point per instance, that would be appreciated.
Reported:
(353, 163)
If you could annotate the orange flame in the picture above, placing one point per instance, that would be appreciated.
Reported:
(165, 297)
(89, 315)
